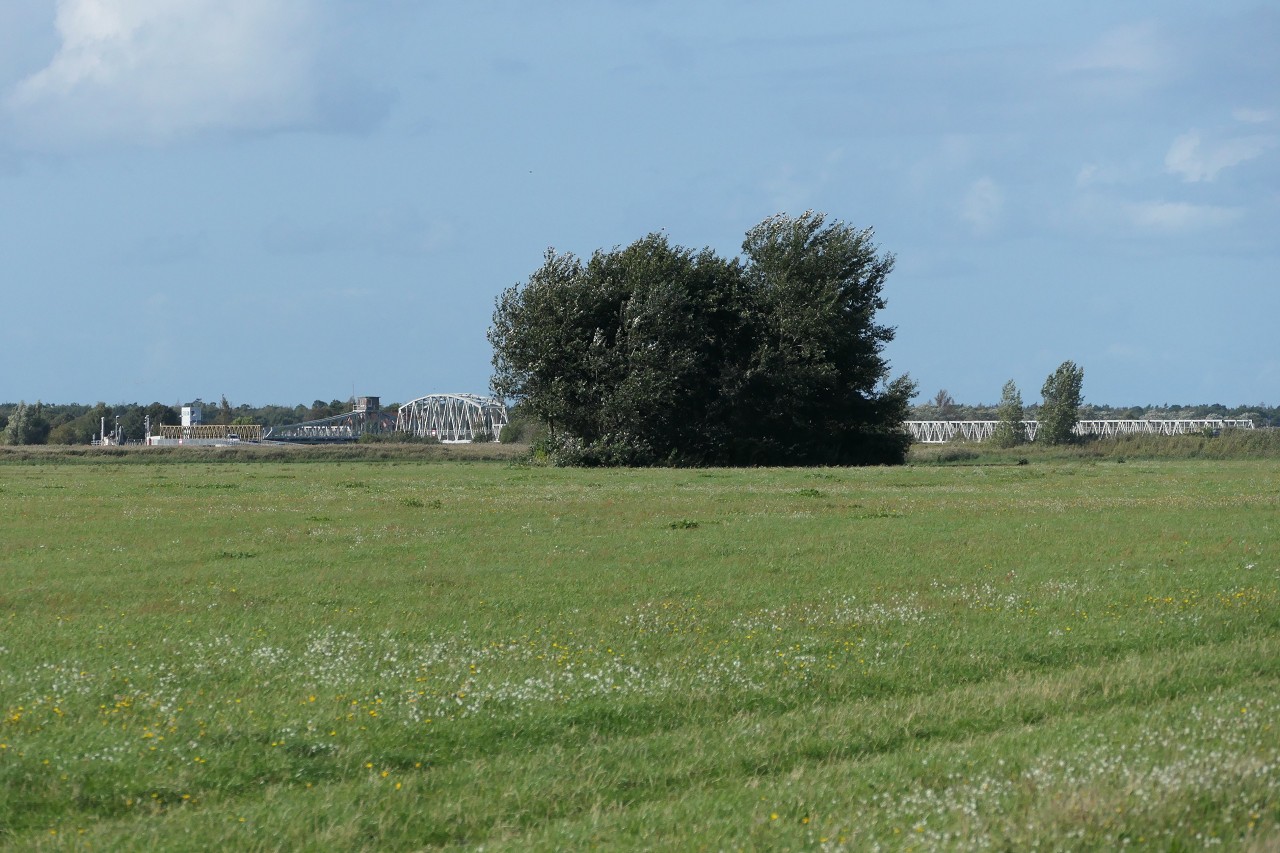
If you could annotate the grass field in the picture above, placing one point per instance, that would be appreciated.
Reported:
(397, 654)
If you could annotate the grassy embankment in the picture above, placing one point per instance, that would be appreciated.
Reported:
(395, 654)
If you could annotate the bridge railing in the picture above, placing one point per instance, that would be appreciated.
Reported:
(938, 432)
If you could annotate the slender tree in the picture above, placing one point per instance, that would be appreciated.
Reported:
(1010, 431)
(943, 405)
(1061, 408)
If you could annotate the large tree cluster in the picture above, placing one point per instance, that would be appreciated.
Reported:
(658, 354)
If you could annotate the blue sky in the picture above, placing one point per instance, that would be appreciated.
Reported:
(285, 200)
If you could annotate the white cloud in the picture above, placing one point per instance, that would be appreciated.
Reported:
(983, 206)
(1193, 160)
(1253, 116)
(1179, 216)
(1095, 174)
(1128, 50)
(791, 188)
(154, 70)
(1122, 65)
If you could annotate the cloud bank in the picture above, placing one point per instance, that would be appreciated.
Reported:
(152, 71)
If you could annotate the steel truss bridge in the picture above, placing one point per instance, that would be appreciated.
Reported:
(348, 426)
(447, 417)
(453, 417)
(938, 432)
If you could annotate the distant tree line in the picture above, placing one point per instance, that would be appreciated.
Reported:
(75, 423)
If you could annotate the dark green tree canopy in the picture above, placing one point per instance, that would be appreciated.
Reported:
(655, 353)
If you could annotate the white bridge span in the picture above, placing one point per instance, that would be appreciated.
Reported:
(938, 432)
(453, 417)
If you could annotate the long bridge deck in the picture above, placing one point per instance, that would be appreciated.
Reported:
(938, 432)
(446, 417)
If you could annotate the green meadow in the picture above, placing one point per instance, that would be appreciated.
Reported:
(400, 653)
